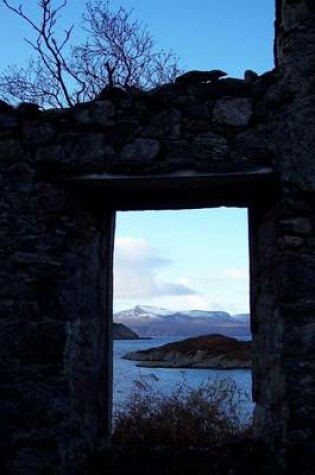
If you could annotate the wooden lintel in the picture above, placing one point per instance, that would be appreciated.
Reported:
(185, 189)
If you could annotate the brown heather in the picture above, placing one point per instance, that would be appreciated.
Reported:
(204, 417)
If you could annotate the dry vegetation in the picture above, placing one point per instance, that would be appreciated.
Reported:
(189, 432)
(206, 417)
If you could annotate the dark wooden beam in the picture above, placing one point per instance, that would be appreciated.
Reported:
(185, 189)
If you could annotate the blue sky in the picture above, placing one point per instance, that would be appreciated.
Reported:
(190, 259)
(207, 34)
(180, 259)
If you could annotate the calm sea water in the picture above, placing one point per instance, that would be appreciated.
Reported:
(126, 373)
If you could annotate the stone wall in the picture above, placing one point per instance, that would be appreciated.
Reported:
(218, 126)
(202, 141)
(54, 292)
(293, 135)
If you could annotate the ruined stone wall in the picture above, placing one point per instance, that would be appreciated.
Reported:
(216, 127)
(197, 142)
(288, 292)
(54, 291)
(57, 241)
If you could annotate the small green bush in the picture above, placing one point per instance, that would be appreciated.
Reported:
(208, 416)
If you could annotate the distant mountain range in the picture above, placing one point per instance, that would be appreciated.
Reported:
(153, 321)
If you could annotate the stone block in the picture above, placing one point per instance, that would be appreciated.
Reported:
(7, 307)
(294, 277)
(28, 109)
(5, 106)
(252, 145)
(10, 149)
(20, 177)
(36, 133)
(296, 225)
(89, 151)
(210, 146)
(166, 124)
(36, 260)
(197, 111)
(30, 461)
(229, 87)
(101, 113)
(8, 122)
(233, 112)
(41, 343)
(287, 242)
(299, 337)
(141, 150)
(177, 149)
(50, 153)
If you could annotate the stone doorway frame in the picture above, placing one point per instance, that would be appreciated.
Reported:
(180, 191)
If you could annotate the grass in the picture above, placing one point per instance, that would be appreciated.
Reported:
(208, 416)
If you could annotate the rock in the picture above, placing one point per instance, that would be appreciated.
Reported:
(35, 132)
(135, 91)
(100, 112)
(229, 87)
(73, 149)
(5, 106)
(112, 93)
(196, 111)
(42, 343)
(165, 124)
(293, 242)
(251, 145)
(177, 149)
(122, 332)
(164, 92)
(277, 94)
(28, 109)
(210, 146)
(263, 82)
(197, 77)
(235, 112)
(10, 149)
(250, 76)
(297, 225)
(207, 351)
(7, 121)
(141, 150)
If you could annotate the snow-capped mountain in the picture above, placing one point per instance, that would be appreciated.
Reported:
(143, 312)
(153, 321)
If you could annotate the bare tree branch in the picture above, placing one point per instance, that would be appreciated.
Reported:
(118, 51)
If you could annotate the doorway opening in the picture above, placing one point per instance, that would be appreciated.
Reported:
(178, 275)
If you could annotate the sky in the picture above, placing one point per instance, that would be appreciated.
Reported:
(196, 259)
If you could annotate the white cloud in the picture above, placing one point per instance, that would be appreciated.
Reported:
(224, 289)
(135, 272)
(130, 251)
(236, 273)
(220, 276)
(138, 270)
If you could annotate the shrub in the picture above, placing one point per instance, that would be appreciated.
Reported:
(207, 416)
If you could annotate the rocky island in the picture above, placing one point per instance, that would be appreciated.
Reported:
(206, 351)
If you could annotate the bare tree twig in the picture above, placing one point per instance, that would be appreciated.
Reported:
(118, 51)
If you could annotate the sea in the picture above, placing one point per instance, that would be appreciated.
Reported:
(127, 375)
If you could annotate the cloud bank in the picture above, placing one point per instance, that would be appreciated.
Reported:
(136, 266)
(138, 279)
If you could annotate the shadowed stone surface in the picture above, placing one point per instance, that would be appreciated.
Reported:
(197, 143)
